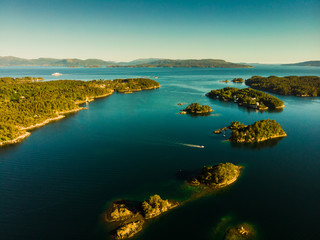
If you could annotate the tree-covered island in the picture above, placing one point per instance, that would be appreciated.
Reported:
(238, 80)
(301, 86)
(131, 216)
(26, 103)
(247, 97)
(197, 108)
(217, 176)
(257, 132)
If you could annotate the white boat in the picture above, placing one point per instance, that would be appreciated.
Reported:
(201, 146)
(56, 74)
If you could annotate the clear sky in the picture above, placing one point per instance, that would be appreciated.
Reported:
(261, 31)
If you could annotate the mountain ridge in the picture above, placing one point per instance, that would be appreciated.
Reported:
(144, 62)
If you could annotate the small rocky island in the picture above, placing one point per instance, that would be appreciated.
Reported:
(242, 231)
(257, 132)
(197, 108)
(247, 97)
(238, 80)
(131, 216)
(217, 176)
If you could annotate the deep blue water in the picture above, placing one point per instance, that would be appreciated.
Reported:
(58, 182)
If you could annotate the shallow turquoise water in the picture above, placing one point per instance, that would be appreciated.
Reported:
(57, 183)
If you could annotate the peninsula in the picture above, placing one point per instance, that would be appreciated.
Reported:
(217, 176)
(257, 132)
(300, 86)
(247, 97)
(130, 216)
(26, 103)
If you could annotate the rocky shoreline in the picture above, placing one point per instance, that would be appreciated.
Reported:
(16, 140)
(129, 217)
(196, 181)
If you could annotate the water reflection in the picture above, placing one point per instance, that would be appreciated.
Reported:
(258, 145)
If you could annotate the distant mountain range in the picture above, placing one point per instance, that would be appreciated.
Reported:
(148, 62)
(305, 64)
(189, 63)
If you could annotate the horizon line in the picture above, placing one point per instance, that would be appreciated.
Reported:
(158, 58)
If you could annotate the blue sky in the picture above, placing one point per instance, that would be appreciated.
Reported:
(238, 31)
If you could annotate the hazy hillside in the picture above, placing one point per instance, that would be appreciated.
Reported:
(306, 64)
(147, 62)
(202, 63)
(14, 61)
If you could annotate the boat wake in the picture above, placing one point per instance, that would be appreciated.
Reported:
(191, 145)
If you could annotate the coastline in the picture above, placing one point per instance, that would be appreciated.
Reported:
(261, 139)
(60, 116)
(16, 140)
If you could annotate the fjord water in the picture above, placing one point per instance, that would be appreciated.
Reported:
(57, 183)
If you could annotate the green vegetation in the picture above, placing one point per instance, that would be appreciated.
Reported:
(305, 64)
(259, 131)
(134, 84)
(25, 103)
(302, 86)
(217, 176)
(189, 63)
(20, 80)
(131, 216)
(196, 108)
(247, 97)
(154, 206)
(242, 231)
(238, 80)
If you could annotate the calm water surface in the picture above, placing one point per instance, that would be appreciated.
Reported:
(57, 183)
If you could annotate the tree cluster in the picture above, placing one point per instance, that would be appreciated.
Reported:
(238, 80)
(258, 131)
(218, 174)
(302, 86)
(25, 102)
(198, 108)
(247, 97)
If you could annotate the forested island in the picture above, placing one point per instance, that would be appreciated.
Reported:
(257, 132)
(305, 64)
(247, 97)
(197, 108)
(130, 216)
(26, 103)
(217, 176)
(301, 86)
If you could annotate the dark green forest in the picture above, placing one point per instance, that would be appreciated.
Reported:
(301, 86)
(218, 174)
(24, 102)
(256, 132)
(198, 108)
(247, 97)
